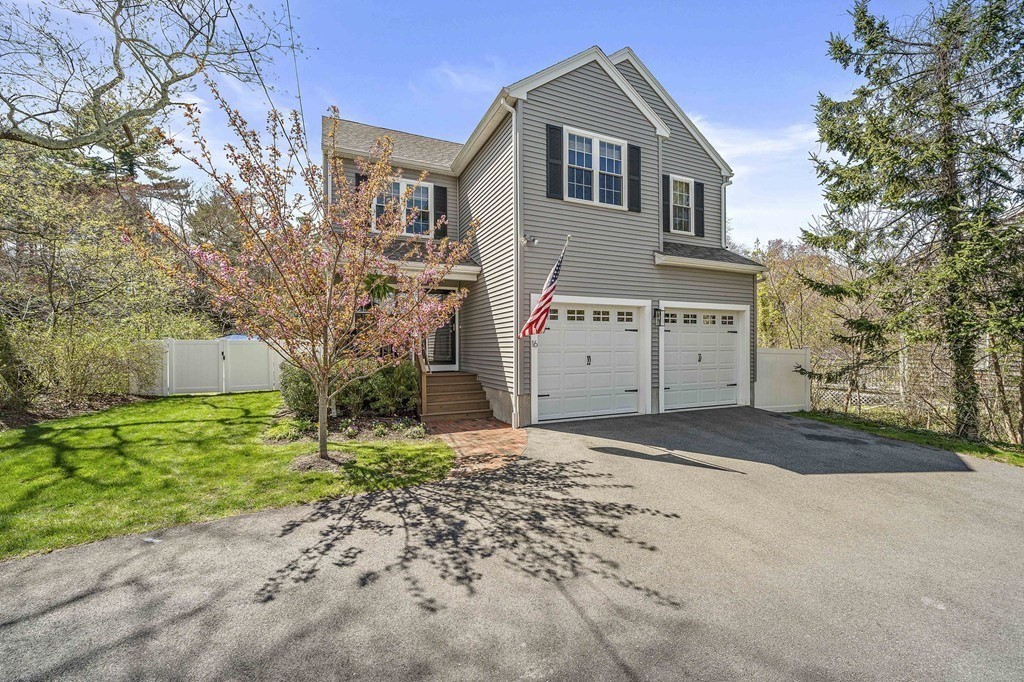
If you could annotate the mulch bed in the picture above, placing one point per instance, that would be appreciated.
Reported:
(314, 462)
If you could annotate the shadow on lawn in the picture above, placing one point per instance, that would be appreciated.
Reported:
(94, 449)
(529, 515)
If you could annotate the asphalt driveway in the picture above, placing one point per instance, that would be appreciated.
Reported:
(724, 544)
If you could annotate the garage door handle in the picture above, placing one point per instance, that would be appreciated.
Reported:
(631, 330)
(588, 361)
(730, 384)
(700, 357)
(543, 395)
(632, 390)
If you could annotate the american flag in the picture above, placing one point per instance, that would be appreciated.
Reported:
(539, 316)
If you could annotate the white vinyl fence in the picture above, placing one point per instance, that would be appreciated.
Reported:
(779, 387)
(219, 366)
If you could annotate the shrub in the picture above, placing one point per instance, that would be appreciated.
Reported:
(297, 391)
(393, 390)
(350, 432)
(289, 429)
(72, 363)
(380, 429)
(389, 392)
(418, 431)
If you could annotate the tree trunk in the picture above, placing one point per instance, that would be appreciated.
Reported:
(323, 403)
(963, 343)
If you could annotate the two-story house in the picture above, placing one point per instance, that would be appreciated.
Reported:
(652, 312)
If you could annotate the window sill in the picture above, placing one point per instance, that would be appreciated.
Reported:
(595, 204)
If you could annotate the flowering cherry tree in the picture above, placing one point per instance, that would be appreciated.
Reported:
(307, 278)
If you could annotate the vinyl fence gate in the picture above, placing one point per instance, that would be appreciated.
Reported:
(779, 387)
(219, 366)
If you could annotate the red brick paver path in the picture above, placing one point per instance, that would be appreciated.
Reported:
(480, 444)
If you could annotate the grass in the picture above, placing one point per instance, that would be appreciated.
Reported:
(164, 462)
(999, 452)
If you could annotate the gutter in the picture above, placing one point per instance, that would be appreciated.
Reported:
(516, 246)
(726, 181)
(704, 264)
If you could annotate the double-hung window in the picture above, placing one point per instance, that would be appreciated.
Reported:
(594, 160)
(418, 204)
(682, 205)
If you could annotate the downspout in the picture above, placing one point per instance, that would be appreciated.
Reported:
(516, 245)
(725, 183)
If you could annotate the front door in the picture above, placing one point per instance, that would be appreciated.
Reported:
(442, 352)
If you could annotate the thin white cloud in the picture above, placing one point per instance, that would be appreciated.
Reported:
(470, 79)
(775, 191)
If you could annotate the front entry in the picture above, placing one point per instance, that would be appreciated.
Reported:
(700, 350)
(442, 347)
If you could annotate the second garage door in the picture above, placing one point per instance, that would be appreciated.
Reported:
(700, 350)
(588, 362)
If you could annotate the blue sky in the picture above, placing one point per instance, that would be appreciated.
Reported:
(746, 71)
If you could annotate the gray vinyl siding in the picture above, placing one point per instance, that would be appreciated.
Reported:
(486, 322)
(612, 251)
(450, 181)
(681, 154)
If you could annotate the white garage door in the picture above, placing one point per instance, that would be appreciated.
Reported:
(588, 362)
(700, 358)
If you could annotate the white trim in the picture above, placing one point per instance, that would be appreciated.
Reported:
(516, 255)
(403, 184)
(627, 54)
(492, 118)
(645, 369)
(521, 88)
(672, 204)
(595, 169)
(743, 329)
(704, 264)
(458, 273)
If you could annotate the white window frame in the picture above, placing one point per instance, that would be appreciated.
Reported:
(595, 193)
(672, 180)
(404, 183)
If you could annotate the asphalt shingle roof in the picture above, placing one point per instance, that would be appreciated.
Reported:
(360, 137)
(705, 253)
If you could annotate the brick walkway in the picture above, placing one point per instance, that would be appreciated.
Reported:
(480, 444)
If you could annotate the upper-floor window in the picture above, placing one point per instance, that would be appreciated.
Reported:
(682, 205)
(418, 204)
(581, 167)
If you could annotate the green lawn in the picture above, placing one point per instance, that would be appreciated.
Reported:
(983, 449)
(175, 460)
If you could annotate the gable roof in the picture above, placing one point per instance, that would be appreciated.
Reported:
(357, 139)
(520, 89)
(627, 54)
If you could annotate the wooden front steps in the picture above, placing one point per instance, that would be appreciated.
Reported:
(448, 396)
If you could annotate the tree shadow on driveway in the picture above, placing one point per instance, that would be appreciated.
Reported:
(541, 518)
(745, 434)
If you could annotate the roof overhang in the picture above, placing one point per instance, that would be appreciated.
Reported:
(521, 89)
(492, 118)
(703, 264)
(397, 161)
(627, 54)
(459, 273)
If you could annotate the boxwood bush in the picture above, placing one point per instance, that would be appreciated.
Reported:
(390, 392)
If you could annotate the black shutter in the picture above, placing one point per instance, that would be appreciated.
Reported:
(360, 179)
(666, 203)
(698, 209)
(633, 178)
(440, 209)
(554, 162)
